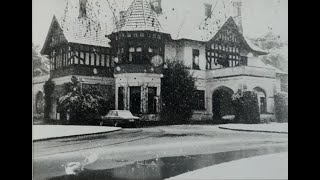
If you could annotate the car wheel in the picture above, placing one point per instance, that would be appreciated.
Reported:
(115, 124)
(101, 123)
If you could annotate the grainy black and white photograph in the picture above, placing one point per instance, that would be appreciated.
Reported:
(159, 89)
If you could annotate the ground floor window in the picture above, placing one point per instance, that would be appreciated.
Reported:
(152, 94)
(39, 103)
(135, 100)
(120, 98)
(199, 104)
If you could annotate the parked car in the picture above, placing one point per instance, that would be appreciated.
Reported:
(119, 118)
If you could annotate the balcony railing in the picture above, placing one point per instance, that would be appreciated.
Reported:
(234, 71)
(240, 71)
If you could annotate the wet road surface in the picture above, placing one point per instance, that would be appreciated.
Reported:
(151, 153)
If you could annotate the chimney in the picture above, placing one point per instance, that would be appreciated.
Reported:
(82, 8)
(156, 6)
(237, 15)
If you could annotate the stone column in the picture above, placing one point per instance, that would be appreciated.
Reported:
(116, 97)
(158, 104)
(144, 98)
(126, 97)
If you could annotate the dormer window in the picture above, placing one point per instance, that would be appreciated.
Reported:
(139, 49)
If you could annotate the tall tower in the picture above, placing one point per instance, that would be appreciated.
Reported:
(138, 46)
(237, 14)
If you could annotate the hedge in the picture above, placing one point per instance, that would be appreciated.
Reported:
(246, 108)
(281, 106)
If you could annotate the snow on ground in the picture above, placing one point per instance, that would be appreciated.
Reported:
(273, 127)
(54, 131)
(274, 166)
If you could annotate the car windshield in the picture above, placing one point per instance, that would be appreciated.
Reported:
(113, 113)
(125, 114)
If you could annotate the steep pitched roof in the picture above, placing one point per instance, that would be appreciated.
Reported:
(259, 63)
(187, 19)
(180, 18)
(82, 31)
(90, 31)
(190, 21)
(139, 17)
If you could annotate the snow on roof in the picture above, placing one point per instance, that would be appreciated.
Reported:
(140, 17)
(79, 31)
(180, 18)
(258, 63)
(254, 47)
(89, 30)
(278, 71)
(187, 20)
(40, 79)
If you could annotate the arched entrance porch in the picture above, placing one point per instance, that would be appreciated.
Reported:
(222, 102)
(39, 103)
(262, 100)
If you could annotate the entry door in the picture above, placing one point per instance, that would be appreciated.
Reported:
(262, 105)
(135, 100)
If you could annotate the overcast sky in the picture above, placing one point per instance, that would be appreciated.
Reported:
(259, 17)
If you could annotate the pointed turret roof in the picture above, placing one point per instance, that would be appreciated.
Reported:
(139, 17)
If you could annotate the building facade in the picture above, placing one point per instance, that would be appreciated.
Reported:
(128, 61)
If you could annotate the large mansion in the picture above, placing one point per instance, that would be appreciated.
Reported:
(126, 52)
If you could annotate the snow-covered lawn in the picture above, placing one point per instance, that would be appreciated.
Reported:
(273, 166)
(273, 127)
(54, 131)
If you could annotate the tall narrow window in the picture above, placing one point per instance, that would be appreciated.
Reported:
(97, 59)
(112, 62)
(131, 52)
(92, 59)
(195, 59)
(76, 59)
(120, 98)
(81, 58)
(102, 60)
(87, 58)
(108, 63)
(152, 93)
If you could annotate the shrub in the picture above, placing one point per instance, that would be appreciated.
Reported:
(178, 93)
(84, 105)
(246, 107)
(281, 106)
(267, 118)
(48, 89)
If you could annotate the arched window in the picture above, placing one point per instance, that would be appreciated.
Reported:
(39, 102)
(262, 99)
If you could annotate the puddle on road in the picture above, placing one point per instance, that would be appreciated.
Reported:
(162, 168)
